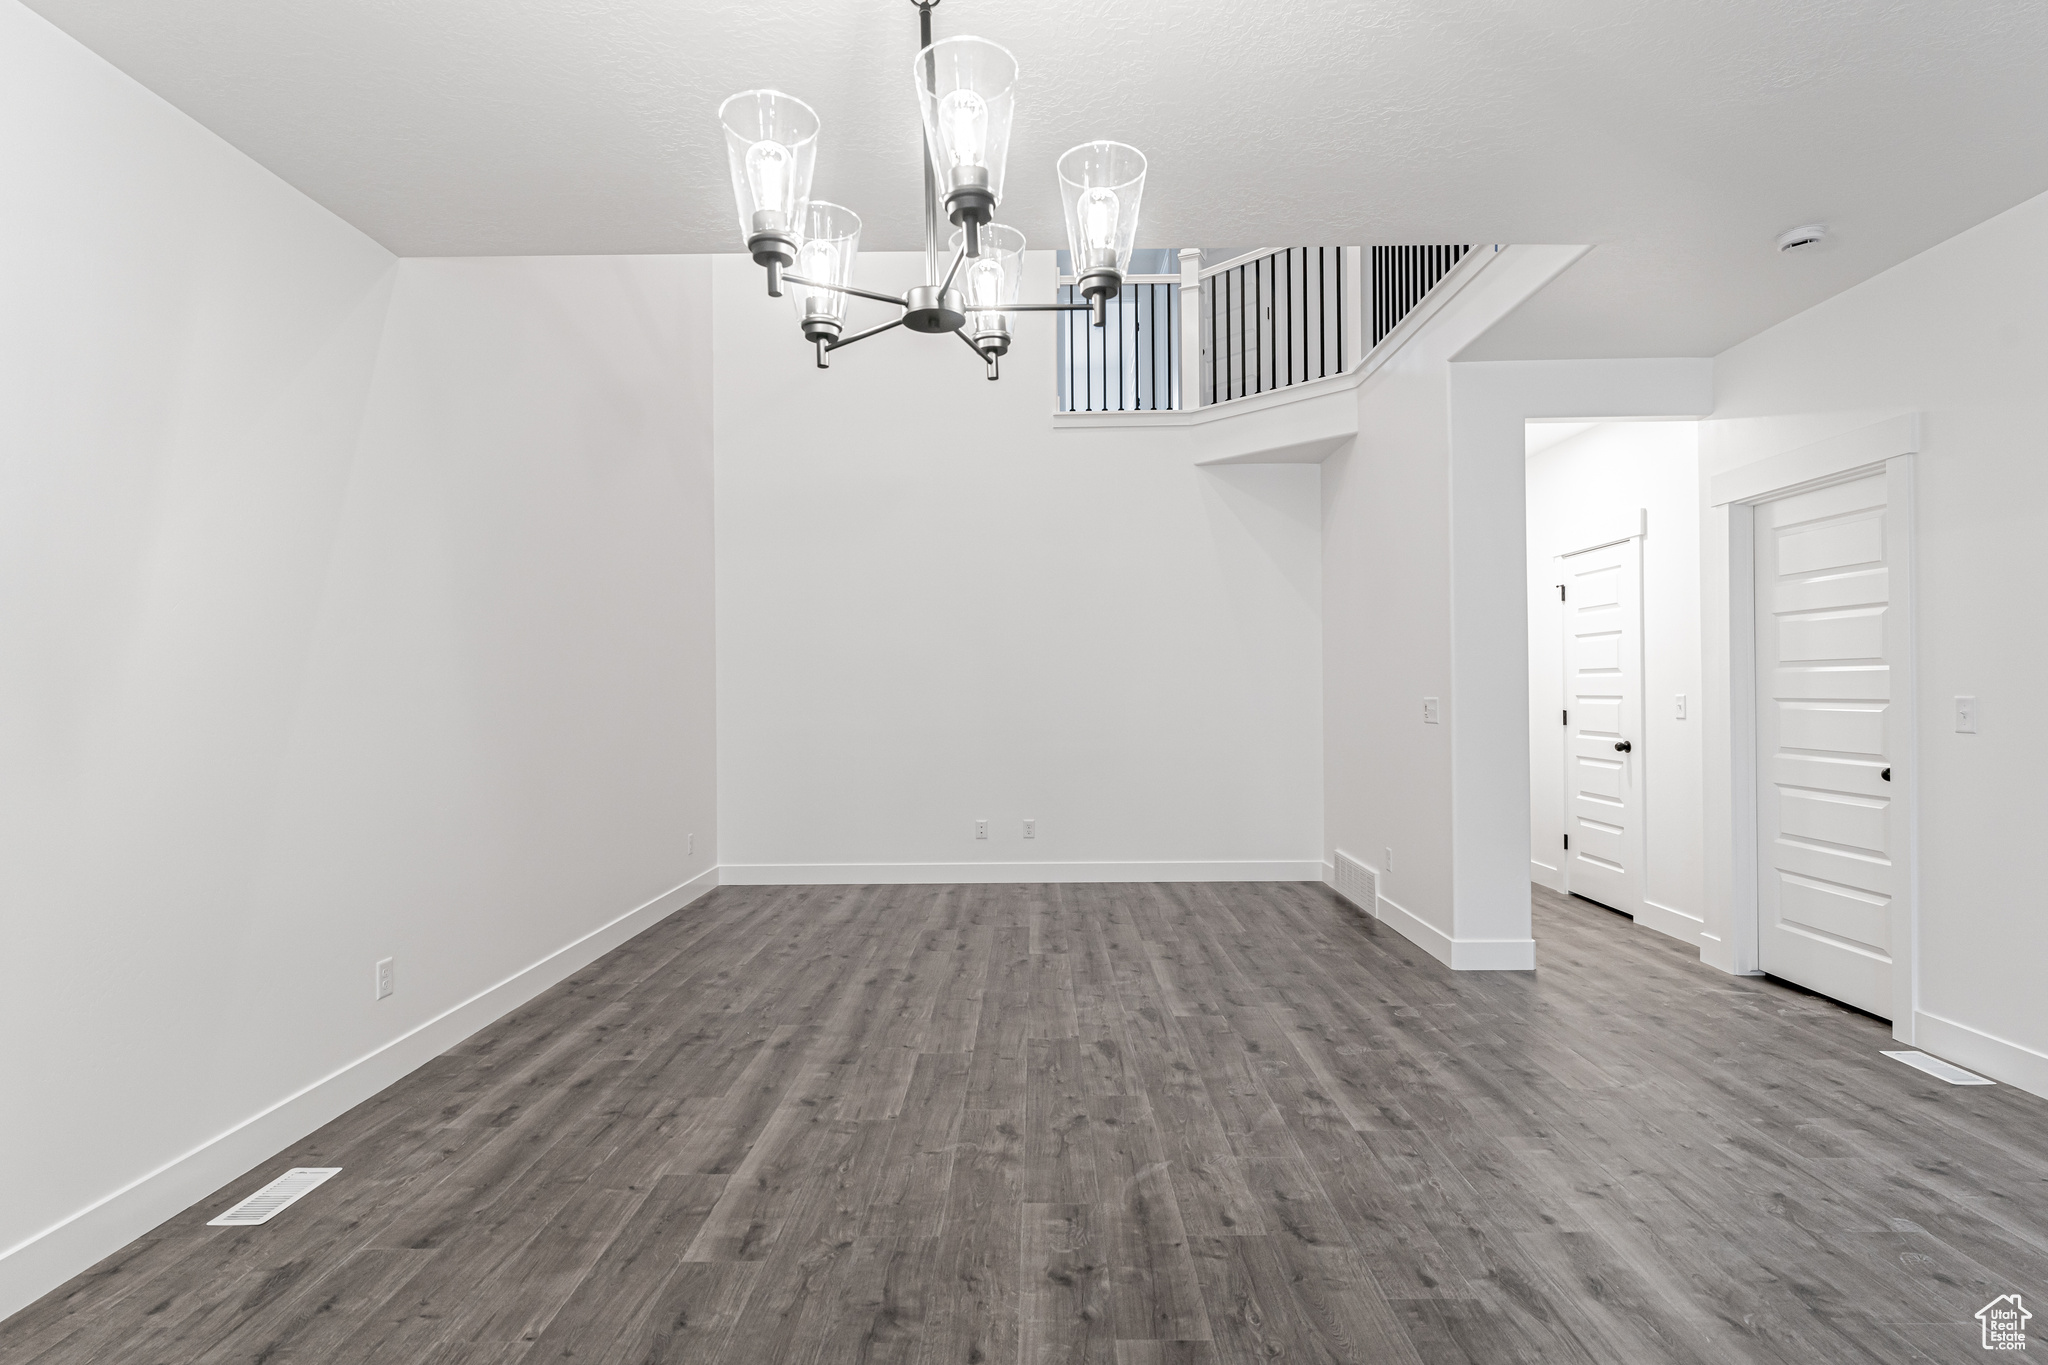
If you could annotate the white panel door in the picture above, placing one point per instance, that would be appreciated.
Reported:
(1831, 833)
(1603, 719)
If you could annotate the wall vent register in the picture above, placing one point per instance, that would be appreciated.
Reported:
(1358, 884)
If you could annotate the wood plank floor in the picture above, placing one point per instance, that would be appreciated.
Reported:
(1125, 1125)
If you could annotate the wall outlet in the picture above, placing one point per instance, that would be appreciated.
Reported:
(1031, 829)
(691, 841)
(1387, 862)
(1681, 706)
(387, 977)
(1429, 711)
(1966, 715)
(981, 829)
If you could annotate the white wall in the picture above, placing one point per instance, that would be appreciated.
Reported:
(933, 609)
(1425, 592)
(1958, 334)
(1578, 488)
(348, 609)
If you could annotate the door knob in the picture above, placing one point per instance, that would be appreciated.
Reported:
(1886, 774)
(1622, 746)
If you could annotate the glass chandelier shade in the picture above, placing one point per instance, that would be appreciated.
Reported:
(771, 144)
(993, 278)
(831, 239)
(966, 88)
(1101, 184)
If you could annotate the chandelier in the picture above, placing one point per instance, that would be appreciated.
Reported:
(966, 90)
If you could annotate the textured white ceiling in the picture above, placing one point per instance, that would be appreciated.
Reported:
(1677, 136)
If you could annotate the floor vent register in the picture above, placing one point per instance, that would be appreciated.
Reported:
(279, 1195)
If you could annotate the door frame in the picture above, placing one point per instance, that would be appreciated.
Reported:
(1637, 526)
(1888, 448)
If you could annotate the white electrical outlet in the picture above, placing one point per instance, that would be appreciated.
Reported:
(1429, 711)
(387, 977)
(1387, 862)
(1681, 706)
(1031, 829)
(1966, 715)
(981, 829)
(691, 840)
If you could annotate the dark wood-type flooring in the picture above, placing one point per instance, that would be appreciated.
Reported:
(1129, 1124)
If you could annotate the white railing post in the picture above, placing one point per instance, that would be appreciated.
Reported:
(1191, 337)
(1357, 305)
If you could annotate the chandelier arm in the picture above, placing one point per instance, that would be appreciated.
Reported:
(948, 282)
(862, 336)
(1023, 307)
(846, 289)
(987, 360)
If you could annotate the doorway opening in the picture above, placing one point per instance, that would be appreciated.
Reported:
(1615, 747)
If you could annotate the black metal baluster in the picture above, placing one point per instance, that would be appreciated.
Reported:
(1102, 357)
(1290, 315)
(1237, 378)
(1065, 322)
(1077, 358)
(1152, 350)
(1088, 363)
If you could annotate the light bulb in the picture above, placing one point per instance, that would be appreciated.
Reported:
(819, 261)
(963, 115)
(985, 282)
(1098, 224)
(768, 174)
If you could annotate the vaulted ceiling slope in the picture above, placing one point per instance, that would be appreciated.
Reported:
(1679, 137)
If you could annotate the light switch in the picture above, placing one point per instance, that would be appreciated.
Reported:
(1681, 706)
(1966, 715)
(1429, 711)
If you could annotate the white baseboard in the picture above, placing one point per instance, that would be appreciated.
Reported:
(1493, 955)
(1546, 876)
(1459, 954)
(2013, 1063)
(1666, 919)
(927, 874)
(36, 1266)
